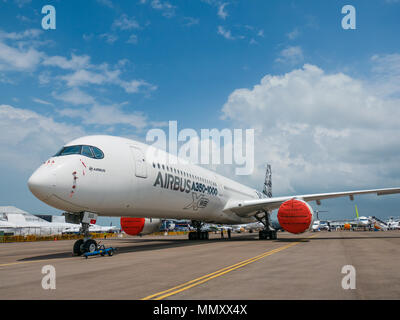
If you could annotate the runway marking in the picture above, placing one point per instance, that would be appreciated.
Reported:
(195, 282)
(24, 262)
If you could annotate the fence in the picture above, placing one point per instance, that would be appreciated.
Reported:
(30, 238)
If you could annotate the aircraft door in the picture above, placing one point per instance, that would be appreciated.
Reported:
(219, 186)
(139, 161)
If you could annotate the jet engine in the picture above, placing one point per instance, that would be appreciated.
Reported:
(135, 226)
(295, 216)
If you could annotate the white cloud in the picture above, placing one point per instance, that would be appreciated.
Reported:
(225, 33)
(190, 21)
(291, 55)
(321, 132)
(135, 86)
(84, 77)
(386, 73)
(107, 115)
(25, 132)
(29, 33)
(221, 10)
(37, 100)
(133, 39)
(107, 3)
(24, 57)
(76, 62)
(167, 9)
(293, 34)
(75, 96)
(125, 23)
(109, 37)
(19, 59)
(21, 3)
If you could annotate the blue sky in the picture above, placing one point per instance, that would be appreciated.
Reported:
(125, 67)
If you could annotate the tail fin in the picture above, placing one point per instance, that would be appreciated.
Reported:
(267, 190)
(357, 212)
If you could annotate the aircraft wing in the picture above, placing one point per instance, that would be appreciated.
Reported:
(247, 208)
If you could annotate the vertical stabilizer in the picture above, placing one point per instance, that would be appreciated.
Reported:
(357, 212)
(267, 190)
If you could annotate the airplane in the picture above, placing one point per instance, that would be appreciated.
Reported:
(319, 225)
(19, 222)
(113, 176)
(362, 221)
(250, 227)
(393, 224)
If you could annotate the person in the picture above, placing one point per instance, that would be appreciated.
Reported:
(222, 233)
(229, 233)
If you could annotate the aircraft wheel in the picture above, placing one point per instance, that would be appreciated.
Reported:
(90, 245)
(77, 251)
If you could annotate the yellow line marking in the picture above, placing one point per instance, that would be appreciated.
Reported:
(195, 282)
(22, 262)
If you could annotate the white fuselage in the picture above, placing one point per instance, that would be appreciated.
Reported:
(136, 180)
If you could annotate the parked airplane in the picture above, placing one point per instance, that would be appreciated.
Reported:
(393, 224)
(14, 221)
(113, 176)
(319, 225)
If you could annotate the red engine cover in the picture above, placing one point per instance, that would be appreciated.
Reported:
(294, 216)
(132, 226)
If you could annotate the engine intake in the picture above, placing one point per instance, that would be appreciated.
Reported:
(135, 226)
(295, 216)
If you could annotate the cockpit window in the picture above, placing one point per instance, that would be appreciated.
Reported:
(98, 154)
(69, 150)
(87, 151)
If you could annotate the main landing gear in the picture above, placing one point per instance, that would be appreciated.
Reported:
(198, 234)
(268, 233)
(86, 244)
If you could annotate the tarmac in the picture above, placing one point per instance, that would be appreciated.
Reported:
(306, 266)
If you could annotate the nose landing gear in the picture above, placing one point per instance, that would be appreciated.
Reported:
(86, 244)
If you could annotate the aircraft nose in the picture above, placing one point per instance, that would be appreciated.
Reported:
(41, 183)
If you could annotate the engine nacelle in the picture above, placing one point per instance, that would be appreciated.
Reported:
(135, 226)
(295, 216)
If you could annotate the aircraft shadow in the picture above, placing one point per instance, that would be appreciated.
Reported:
(141, 245)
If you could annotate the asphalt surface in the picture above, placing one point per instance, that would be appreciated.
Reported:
(307, 266)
